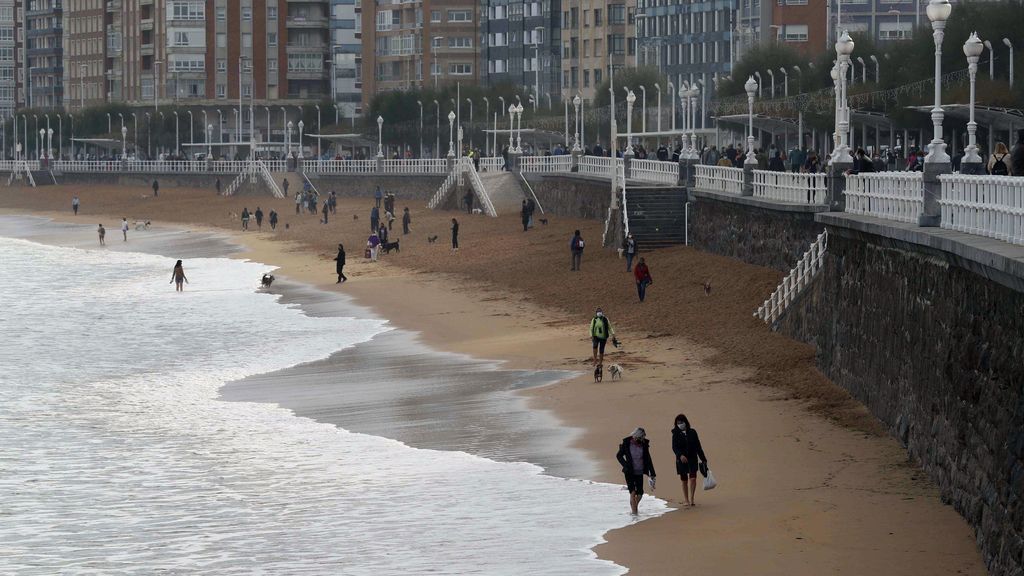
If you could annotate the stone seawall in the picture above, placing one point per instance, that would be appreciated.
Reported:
(768, 234)
(572, 196)
(418, 187)
(935, 350)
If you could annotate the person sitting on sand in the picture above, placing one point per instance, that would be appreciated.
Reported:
(687, 448)
(103, 234)
(178, 276)
(634, 456)
(600, 330)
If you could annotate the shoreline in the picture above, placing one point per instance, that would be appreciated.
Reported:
(854, 492)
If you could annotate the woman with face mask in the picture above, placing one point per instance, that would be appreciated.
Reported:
(687, 448)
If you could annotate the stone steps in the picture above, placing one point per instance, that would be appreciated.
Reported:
(657, 216)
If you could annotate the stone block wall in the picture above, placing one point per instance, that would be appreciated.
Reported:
(752, 231)
(572, 196)
(413, 187)
(936, 352)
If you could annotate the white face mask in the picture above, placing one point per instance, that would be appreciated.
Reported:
(681, 426)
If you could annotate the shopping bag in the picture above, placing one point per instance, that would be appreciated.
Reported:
(709, 482)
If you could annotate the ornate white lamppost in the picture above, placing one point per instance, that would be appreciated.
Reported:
(841, 154)
(751, 88)
(938, 13)
(694, 93)
(630, 99)
(971, 163)
(451, 135)
(576, 139)
(683, 100)
(380, 136)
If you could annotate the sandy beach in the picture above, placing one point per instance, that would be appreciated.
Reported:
(809, 482)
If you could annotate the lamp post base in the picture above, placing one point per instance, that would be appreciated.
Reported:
(931, 216)
(837, 185)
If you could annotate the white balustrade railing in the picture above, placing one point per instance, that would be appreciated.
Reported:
(545, 164)
(491, 164)
(790, 187)
(263, 170)
(654, 171)
(276, 165)
(599, 166)
(466, 166)
(340, 166)
(444, 189)
(794, 282)
(895, 196)
(416, 166)
(990, 206)
(719, 179)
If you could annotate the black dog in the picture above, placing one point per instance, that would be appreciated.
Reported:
(355, 217)
(267, 280)
(544, 221)
(389, 246)
(599, 373)
(431, 239)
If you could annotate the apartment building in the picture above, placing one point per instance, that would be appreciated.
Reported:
(596, 34)
(522, 45)
(688, 42)
(346, 56)
(44, 56)
(9, 49)
(415, 43)
(85, 53)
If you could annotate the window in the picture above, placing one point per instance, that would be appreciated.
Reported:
(180, 39)
(616, 14)
(586, 78)
(597, 16)
(460, 16)
(271, 12)
(222, 13)
(272, 64)
(222, 65)
(187, 10)
(795, 33)
(597, 76)
(222, 91)
(247, 90)
(246, 40)
(460, 69)
(222, 40)
(246, 12)
(460, 42)
(188, 63)
(272, 39)
(435, 16)
(383, 20)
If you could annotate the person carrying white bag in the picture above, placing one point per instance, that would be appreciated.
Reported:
(687, 448)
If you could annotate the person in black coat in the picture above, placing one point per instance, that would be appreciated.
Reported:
(634, 456)
(687, 448)
(339, 267)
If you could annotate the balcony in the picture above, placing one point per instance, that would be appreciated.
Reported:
(146, 49)
(307, 74)
(113, 5)
(146, 24)
(307, 21)
(306, 49)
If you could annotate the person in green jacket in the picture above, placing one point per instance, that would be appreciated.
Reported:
(600, 330)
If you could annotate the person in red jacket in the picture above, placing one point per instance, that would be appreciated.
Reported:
(643, 279)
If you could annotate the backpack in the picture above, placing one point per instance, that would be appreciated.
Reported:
(999, 167)
(579, 244)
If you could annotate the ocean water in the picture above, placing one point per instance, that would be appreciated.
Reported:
(118, 457)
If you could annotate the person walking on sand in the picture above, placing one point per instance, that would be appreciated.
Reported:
(524, 214)
(103, 234)
(643, 279)
(298, 200)
(124, 228)
(406, 220)
(156, 188)
(687, 448)
(74, 204)
(377, 196)
(468, 199)
(576, 251)
(634, 456)
(327, 209)
(245, 218)
(285, 185)
(339, 267)
(629, 249)
(217, 186)
(259, 218)
(273, 220)
(178, 276)
(455, 235)
(600, 330)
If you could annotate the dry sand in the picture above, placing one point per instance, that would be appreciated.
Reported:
(809, 482)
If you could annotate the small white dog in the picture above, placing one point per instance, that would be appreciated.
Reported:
(142, 225)
(477, 211)
(616, 371)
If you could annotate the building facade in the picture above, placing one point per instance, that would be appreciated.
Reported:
(419, 43)
(9, 51)
(44, 53)
(346, 56)
(521, 43)
(596, 35)
(85, 53)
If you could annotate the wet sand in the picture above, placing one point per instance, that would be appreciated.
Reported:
(808, 483)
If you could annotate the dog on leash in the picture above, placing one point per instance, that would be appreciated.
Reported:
(267, 280)
(598, 373)
(389, 246)
(707, 287)
(431, 239)
(616, 371)
(543, 221)
(142, 225)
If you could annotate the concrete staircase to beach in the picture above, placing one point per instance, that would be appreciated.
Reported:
(657, 216)
(505, 191)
